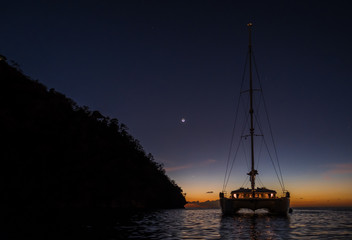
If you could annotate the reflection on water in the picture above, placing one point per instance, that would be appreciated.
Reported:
(322, 223)
(255, 226)
(207, 224)
(174, 224)
(210, 224)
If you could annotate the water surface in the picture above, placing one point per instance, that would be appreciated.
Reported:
(304, 223)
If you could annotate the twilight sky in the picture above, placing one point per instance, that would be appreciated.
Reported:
(152, 63)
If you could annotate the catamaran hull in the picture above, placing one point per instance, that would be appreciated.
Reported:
(279, 206)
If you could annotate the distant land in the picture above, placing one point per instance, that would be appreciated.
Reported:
(61, 159)
(206, 204)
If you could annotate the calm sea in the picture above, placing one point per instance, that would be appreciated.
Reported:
(303, 223)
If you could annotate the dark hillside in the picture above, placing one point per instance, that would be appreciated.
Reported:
(57, 155)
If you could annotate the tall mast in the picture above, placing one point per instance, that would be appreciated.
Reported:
(253, 172)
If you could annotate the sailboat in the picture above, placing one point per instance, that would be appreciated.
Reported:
(253, 198)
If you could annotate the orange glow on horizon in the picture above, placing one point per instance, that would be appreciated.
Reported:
(314, 197)
(296, 202)
(306, 191)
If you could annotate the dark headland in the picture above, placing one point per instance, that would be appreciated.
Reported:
(64, 163)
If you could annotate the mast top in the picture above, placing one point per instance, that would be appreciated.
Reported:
(250, 38)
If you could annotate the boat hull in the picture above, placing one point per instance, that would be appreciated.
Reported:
(279, 206)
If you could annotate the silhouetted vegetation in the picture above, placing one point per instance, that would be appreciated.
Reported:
(57, 155)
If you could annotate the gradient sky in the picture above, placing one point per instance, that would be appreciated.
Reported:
(152, 63)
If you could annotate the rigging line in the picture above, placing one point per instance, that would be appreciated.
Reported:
(229, 174)
(235, 156)
(274, 145)
(231, 143)
(260, 181)
(234, 125)
(233, 161)
(281, 184)
(241, 142)
(261, 131)
(245, 181)
(244, 126)
(267, 147)
(257, 115)
(267, 115)
(260, 152)
(257, 110)
(245, 156)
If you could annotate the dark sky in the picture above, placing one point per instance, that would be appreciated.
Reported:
(152, 63)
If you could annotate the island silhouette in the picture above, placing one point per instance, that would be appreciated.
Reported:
(64, 161)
